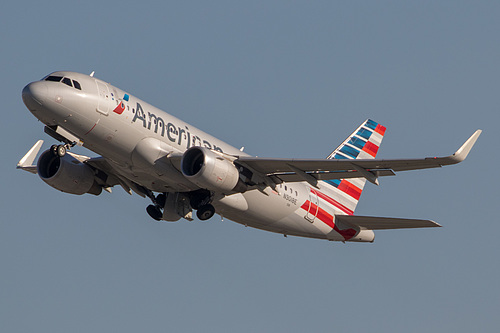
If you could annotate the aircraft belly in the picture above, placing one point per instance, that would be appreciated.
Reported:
(275, 214)
(164, 183)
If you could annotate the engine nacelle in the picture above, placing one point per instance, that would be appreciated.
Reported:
(211, 171)
(67, 174)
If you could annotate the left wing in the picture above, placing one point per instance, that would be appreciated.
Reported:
(105, 174)
(26, 163)
(312, 170)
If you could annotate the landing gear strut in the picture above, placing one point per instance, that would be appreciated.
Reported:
(200, 201)
(200, 198)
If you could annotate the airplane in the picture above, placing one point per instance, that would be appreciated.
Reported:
(182, 169)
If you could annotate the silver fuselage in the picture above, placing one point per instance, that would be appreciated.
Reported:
(88, 114)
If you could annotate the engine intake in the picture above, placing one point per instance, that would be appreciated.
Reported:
(67, 174)
(211, 171)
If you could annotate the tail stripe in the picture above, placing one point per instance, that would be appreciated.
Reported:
(357, 142)
(346, 187)
(371, 124)
(371, 149)
(366, 139)
(349, 151)
(335, 203)
(380, 130)
(364, 133)
(343, 195)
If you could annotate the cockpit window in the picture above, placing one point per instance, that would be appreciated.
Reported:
(67, 81)
(53, 78)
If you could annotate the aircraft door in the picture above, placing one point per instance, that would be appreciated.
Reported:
(312, 211)
(104, 98)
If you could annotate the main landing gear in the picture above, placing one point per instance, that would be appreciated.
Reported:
(158, 203)
(198, 200)
(205, 212)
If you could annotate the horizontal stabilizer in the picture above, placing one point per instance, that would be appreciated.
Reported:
(381, 223)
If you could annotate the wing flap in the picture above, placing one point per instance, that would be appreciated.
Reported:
(384, 223)
(293, 177)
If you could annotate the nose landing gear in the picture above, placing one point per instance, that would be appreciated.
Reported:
(61, 150)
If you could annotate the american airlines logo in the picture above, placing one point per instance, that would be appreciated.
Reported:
(176, 134)
(121, 106)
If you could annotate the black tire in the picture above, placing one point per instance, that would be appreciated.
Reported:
(161, 199)
(61, 150)
(205, 212)
(154, 212)
(53, 149)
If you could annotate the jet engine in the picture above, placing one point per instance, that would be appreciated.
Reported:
(211, 171)
(67, 174)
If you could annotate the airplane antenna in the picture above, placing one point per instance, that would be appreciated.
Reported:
(242, 148)
(92, 74)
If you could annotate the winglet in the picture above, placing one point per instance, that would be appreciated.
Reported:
(26, 163)
(463, 151)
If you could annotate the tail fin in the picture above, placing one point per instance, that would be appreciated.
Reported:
(363, 143)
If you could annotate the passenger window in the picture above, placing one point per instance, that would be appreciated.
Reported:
(53, 78)
(67, 82)
(77, 85)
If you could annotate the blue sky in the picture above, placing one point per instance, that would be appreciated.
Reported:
(283, 79)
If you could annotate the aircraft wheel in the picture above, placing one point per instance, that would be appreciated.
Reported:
(61, 150)
(161, 199)
(205, 212)
(154, 212)
(53, 149)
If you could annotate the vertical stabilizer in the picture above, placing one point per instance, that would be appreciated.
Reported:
(363, 143)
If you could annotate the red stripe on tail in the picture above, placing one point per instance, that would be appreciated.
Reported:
(371, 148)
(350, 189)
(334, 203)
(380, 129)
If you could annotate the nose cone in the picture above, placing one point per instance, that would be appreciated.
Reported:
(34, 95)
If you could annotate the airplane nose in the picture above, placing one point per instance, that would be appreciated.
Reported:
(34, 94)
